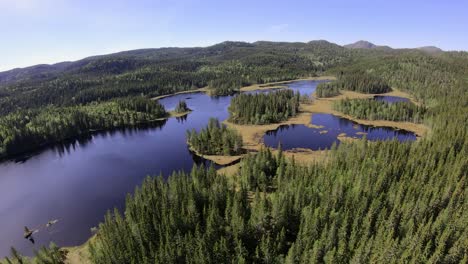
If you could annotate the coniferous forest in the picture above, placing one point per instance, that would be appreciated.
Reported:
(356, 80)
(336, 213)
(264, 108)
(182, 107)
(215, 139)
(27, 130)
(45, 255)
(380, 110)
(327, 89)
(385, 202)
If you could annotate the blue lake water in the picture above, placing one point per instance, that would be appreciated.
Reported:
(390, 99)
(301, 136)
(79, 181)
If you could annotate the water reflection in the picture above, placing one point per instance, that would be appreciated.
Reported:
(182, 119)
(390, 99)
(68, 146)
(301, 136)
(79, 180)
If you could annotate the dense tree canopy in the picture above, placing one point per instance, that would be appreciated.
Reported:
(357, 80)
(381, 202)
(375, 110)
(341, 211)
(264, 108)
(363, 82)
(224, 68)
(182, 107)
(327, 89)
(51, 255)
(29, 129)
(215, 139)
(384, 202)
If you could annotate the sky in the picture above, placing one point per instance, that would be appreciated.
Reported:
(49, 31)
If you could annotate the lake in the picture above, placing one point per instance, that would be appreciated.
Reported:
(390, 99)
(301, 136)
(79, 181)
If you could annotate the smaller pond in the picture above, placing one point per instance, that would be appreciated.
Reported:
(301, 136)
(390, 99)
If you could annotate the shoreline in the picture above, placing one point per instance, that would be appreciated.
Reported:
(222, 160)
(325, 105)
(45, 145)
(199, 90)
(252, 136)
(253, 87)
(280, 84)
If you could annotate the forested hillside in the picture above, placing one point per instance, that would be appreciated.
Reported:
(358, 80)
(371, 203)
(224, 67)
(384, 202)
(65, 92)
(358, 211)
(27, 130)
(379, 110)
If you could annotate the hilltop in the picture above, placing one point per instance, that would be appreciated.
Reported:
(363, 44)
(430, 49)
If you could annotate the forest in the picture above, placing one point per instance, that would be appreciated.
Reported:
(356, 80)
(379, 110)
(182, 107)
(282, 212)
(363, 82)
(327, 89)
(27, 130)
(215, 139)
(385, 202)
(45, 255)
(223, 68)
(382, 202)
(73, 96)
(264, 108)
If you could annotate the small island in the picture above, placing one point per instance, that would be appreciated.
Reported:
(216, 140)
(262, 109)
(182, 107)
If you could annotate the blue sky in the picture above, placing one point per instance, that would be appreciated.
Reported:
(49, 31)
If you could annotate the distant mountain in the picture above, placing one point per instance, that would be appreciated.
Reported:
(430, 49)
(361, 44)
(38, 72)
(133, 60)
(251, 53)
